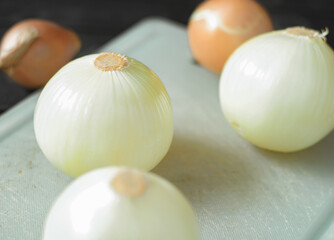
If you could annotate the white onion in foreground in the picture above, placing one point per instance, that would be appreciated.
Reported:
(104, 109)
(121, 204)
(277, 89)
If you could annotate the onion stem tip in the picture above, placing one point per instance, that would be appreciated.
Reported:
(110, 62)
(129, 183)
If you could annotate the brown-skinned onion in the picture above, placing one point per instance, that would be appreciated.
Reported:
(217, 27)
(33, 50)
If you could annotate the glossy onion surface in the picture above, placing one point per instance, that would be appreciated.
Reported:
(86, 118)
(277, 90)
(140, 206)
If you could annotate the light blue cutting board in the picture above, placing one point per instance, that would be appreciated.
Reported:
(239, 192)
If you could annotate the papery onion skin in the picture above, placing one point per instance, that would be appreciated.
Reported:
(217, 28)
(33, 50)
(86, 118)
(91, 209)
(277, 90)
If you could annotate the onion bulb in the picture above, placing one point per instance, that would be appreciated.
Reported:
(277, 89)
(118, 204)
(103, 109)
(32, 51)
(217, 28)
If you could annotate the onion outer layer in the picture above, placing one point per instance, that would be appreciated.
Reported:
(217, 28)
(88, 118)
(93, 208)
(33, 50)
(277, 89)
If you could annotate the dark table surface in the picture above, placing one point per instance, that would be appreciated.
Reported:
(98, 21)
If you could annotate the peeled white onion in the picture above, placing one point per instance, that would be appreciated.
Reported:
(104, 109)
(121, 204)
(277, 89)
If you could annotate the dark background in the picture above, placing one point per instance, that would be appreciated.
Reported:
(98, 21)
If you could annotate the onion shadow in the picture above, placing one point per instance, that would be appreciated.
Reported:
(206, 174)
(317, 160)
